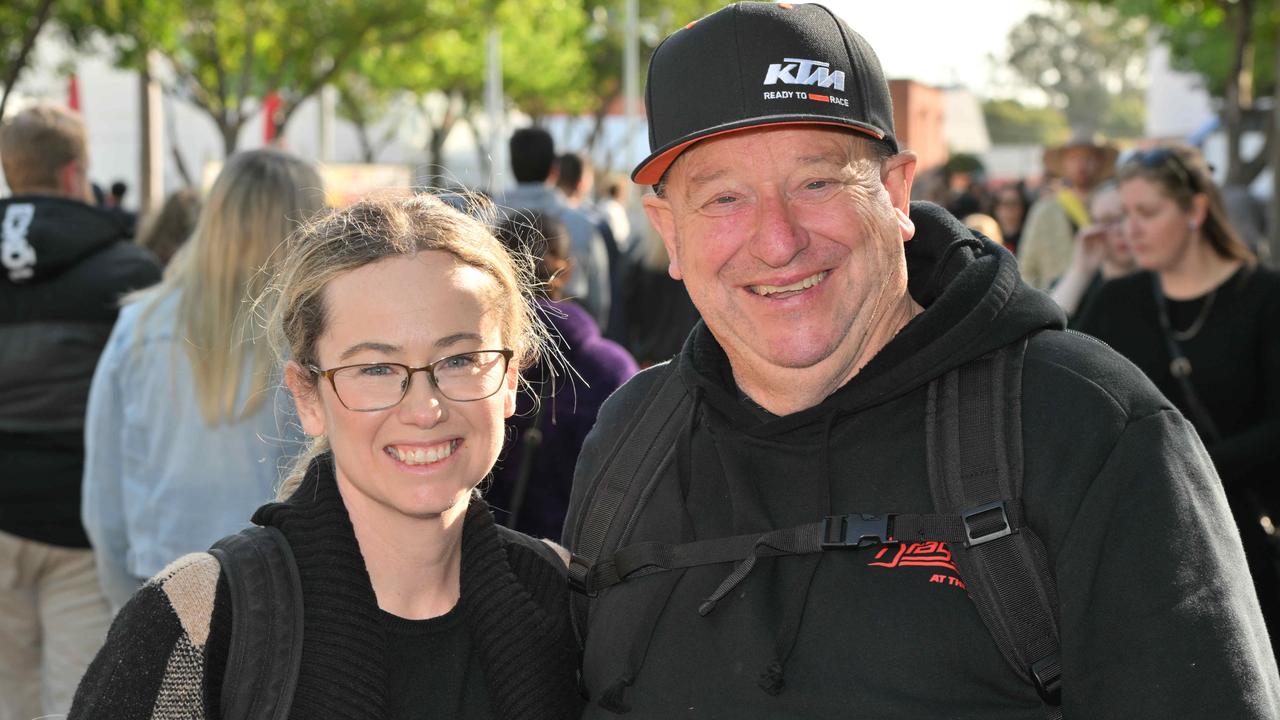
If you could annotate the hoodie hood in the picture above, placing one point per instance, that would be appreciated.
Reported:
(44, 235)
(974, 302)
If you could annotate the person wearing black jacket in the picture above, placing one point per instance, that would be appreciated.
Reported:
(830, 305)
(65, 266)
(1202, 321)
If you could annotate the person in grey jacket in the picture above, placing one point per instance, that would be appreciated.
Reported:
(533, 160)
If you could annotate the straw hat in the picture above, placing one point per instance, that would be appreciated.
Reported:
(1105, 152)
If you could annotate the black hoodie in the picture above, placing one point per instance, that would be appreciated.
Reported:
(65, 266)
(1157, 613)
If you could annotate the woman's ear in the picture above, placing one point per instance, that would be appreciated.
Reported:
(306, 397)
(509, 390)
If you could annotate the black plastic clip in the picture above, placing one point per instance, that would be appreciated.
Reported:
(1047, 674)
(580, 575)
(857, 530)
(980, 526)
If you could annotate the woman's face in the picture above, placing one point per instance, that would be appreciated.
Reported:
(1009, 210)
(1158, 230)
(1107, 210)
(422, 457)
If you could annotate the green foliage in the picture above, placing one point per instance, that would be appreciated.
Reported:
(1201, 39)
(1010, 122)
(1083, 57)
(21, 22)
(225, 55)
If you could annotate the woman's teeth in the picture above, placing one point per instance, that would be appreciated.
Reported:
(423, 456)
(805, 284)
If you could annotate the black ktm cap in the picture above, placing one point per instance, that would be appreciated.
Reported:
(754, 64)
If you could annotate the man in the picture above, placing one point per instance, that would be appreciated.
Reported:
(1053, 221)
(533, 161)
(65, 266)
(837, 319)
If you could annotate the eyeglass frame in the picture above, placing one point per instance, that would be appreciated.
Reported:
(429, 369)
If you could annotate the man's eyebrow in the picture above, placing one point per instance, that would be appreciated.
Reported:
(827, 158)
(383, 348)
(697, 181)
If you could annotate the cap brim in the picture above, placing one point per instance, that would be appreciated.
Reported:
(650, 170)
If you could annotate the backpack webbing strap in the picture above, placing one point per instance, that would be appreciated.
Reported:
(833, 532)
(974, 440)
(638, 452)
(266, 624)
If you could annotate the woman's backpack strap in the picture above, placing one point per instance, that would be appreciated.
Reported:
(614, 498)
(266, 624)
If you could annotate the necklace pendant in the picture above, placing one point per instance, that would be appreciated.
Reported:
(1180, 367)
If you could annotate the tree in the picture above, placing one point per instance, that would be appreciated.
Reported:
(20, 24)
(224, 56)
(1229, 43)
(443, 68)
(1084, 57)
(1011, 122)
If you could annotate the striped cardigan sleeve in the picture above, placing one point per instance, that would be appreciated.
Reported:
(153, 664)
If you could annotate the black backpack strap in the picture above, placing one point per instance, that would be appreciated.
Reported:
(640, 451)
(974, 438)
(266, 624)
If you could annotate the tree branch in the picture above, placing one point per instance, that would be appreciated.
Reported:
(16, 66)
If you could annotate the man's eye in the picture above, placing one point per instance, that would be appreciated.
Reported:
(817, 185)
(724, 200)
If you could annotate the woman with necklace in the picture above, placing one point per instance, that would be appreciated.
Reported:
(1203, 322)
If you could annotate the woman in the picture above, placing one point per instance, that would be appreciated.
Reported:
(1009, 210)
(181, 414)
(406, 324)
(1203, 322)
(1100, 253)
(535, 474)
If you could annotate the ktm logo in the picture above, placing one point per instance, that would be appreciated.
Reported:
(797, 71)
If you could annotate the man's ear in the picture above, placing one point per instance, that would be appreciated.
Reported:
(73, 183)
(897, 173)
(661, 216)
(306, 398)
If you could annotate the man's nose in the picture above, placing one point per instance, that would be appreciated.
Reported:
(779, 237)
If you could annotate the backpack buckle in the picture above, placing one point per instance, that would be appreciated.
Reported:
(1047, 674)
(982, 524)
(855, 530)
(580, 575)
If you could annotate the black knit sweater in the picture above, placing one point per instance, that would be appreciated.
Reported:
(513, 598)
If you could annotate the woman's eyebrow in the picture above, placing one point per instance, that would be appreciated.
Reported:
(456, 338)
(383, 348)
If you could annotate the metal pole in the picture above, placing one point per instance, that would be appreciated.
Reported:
(631, 84)
(495, 109)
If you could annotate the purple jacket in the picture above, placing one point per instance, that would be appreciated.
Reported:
(569, 408)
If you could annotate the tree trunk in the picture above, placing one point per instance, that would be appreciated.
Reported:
(230, 130)
(1238, 91)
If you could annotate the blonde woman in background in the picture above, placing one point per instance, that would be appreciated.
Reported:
(182, 437)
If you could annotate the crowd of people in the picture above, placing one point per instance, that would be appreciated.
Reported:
(786, 448)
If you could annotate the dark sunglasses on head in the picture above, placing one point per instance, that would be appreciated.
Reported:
(1159, 158)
